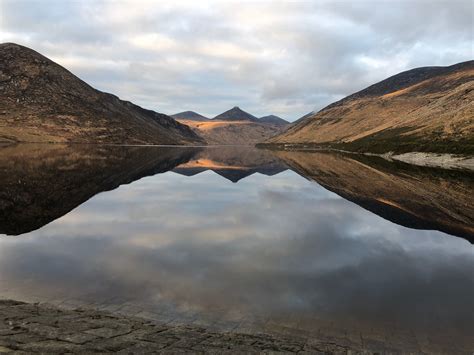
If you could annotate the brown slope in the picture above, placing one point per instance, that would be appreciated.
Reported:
(414, 197)
(234, 132)
(43, 102)
(430, 109)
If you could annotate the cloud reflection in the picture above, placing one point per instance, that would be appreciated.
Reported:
(258, 248)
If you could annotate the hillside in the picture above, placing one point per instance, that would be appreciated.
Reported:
(424, 109)
(272, 119)
(234, 127)
(189, 115)
(233, 132)
(43, 102)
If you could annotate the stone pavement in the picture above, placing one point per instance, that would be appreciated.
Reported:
(30, 328)
(41, 328)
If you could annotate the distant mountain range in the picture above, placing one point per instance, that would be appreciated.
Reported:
(43, 102)
(234, 126)
(424, 109)
(234, 114)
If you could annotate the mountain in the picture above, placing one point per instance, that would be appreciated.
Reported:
(43, 102)
(424, 109)
(190, 115)
(235, 114)
(272, 119)
(234, 127)
(303, 117)
(411, 196)
(234, 132)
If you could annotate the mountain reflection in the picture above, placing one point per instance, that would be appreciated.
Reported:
(233, 163)
(269, 253)
(44, 182)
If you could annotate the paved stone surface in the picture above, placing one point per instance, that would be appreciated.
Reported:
(41, 328)
(29, 328)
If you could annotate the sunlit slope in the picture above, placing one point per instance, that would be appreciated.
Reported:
(425, 109)
(40, 101)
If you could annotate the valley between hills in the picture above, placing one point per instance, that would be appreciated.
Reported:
(428, 109)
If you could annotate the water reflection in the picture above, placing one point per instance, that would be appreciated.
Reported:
(272, 253)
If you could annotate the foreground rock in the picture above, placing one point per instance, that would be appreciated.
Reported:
(31, 328)
(40, 101)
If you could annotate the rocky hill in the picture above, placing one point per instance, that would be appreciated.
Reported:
(424, 109)
(190, 115)
(272, 119)
(43, 102)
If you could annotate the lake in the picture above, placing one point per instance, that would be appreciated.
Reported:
(355, 248)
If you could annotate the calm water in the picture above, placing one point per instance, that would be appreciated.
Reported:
(236, 238)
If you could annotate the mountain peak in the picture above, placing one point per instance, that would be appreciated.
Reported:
(236, 114)
(189, 115)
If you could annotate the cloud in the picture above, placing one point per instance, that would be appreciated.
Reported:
(280, 57)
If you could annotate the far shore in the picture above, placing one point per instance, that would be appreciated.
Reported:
(429, 159)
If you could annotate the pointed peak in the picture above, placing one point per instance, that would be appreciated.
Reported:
(236, 114)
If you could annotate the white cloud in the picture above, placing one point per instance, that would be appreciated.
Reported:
(281, 57)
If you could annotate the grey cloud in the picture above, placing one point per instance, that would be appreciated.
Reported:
(281, 57)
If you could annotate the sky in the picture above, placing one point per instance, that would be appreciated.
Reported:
(268, 57)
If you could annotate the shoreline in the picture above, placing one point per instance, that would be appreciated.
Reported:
(444, 160)
(33, 327)
(426, 159)
(45, 328)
